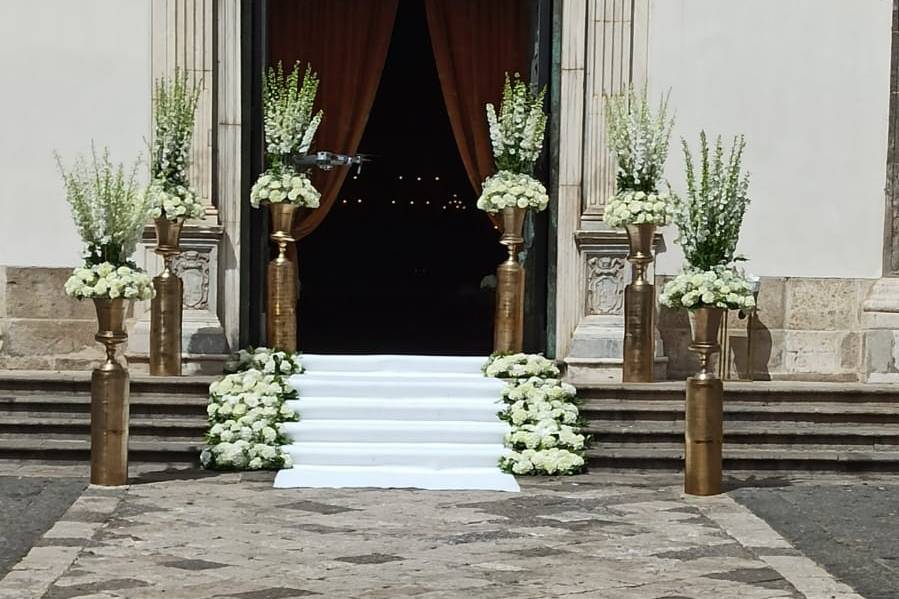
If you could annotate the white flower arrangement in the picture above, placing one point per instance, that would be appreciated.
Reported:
(284, 185)
(638, 207)
(517, 366)
(173, 201)
(720, 287)
(638, 139)
(109, 281)
(246, 411)
(269, 361)
(544, 461)
(289, 123)
(543, 417)
(507, 189)
(516, 134)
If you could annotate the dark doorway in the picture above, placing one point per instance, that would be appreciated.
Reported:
(403, 263)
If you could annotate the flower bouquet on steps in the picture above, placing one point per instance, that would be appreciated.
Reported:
(709, 222)
(174, 108)
(109, 211)
(516, 135)
(290, 128)
(639, 141)
(247, 410)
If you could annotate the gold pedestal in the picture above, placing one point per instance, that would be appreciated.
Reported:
(281, 317)
(508, 330)
(639, 309)
(165, 309)
(109, 400)
(704, 433)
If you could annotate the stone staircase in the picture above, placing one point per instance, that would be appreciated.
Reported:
(45, 417)
(767, 426)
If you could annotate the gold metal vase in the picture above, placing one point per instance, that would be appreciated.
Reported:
(281, 317)
(165, 308)
(639, 308)
(109, 399)
(508, 329)
(704, 434)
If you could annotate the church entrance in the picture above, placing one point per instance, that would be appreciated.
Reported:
(400, 260)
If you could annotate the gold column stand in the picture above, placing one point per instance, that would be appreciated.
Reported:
(109, 400)
(165, 309)
(508, 329)
(704, 434)
(281, 317)
(639, 309)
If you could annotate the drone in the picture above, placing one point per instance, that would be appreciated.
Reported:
(328, 160)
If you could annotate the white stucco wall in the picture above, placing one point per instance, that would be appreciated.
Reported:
(807, 82)
(71, 71)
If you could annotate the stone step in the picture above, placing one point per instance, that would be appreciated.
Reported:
(867, 412)
(30, 447)
(65, 383)
(756, 391)
(79, 425)
(155, 405)
(751, 433)
(742, 457)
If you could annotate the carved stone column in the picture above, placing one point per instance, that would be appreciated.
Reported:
(604, 49)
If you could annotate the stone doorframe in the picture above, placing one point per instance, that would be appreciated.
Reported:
(603, 47)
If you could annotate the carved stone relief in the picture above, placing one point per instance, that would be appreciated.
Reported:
(193, 268)
(605, 285)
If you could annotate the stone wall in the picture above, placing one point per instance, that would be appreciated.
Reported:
(805, 329)
(41, 328)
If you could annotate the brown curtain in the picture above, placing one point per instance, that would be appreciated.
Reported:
(346, 42)
(475, 44)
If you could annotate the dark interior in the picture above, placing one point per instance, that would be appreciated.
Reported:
(401, 263)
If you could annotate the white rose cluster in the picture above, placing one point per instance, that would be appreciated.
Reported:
(173, 201)
(544, 461)
(246, 411)
(286, 185)
(269, 361)
(543, 416)
(638, 207)
(506, 189)
(109, 281)
(720, 287)
(517, 366)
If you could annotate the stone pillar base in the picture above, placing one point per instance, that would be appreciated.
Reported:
(880, 330)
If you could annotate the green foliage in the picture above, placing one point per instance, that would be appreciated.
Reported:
(108, 207)
(174, 105)
(516, 133)
(711, 215)
(290, 125)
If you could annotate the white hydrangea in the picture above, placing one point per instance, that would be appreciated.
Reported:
(638, 207)
(519, 366)
(107, 280)
(269, 361)
(286, 185)
(173, 201)
(720, 287)
(246, 412)
(506, 189)
(544, 461)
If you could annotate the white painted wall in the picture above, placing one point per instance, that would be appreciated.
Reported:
(71, 71)
(807, 82)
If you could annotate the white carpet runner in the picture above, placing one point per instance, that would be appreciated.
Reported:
(427, 422)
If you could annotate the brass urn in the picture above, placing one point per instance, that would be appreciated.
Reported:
(281, 317)
(508, 330)
(166, 307)
(639, 308)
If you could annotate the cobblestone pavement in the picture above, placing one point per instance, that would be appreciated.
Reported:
(234, 536)
(849, 526)
(28, 507)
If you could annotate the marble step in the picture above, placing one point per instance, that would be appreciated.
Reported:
(426, 455)
(394, 388)
(315, 363)
(362, 408)
(396, 431)
(392, 477)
